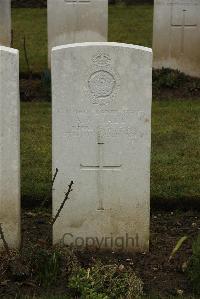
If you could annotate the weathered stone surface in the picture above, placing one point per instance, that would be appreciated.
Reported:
(176, 40)
(101, 141)
(74, 21)
(5, 22)
(9, 146)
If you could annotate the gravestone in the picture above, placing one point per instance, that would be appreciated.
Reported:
(9, 146)
(5, 22)
(101, 141)
(72, 21)
(176, 38)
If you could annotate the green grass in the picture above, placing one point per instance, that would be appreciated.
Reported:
(175, 124)
(35, 150)
(131, 24)
(126, 24)
(175, 168)
(31, 23)
(175, 149)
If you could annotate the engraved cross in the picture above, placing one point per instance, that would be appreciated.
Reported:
(75, 6)
(183, 25)
(77, 1)
(100, 168)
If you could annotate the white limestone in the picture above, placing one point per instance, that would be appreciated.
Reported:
(101, 141)
(9, 146)
(176, 40)
(5, 22)
(73, 21)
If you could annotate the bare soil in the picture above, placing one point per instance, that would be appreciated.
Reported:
(29, 3)
(43, 3)
(160, 276)
(32, 90)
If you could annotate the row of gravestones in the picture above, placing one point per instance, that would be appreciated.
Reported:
(176, 41)
(100, 141)
(101, 94)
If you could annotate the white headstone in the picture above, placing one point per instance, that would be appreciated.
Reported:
(74, 21)
(9, 146)
(5, 22)
(176, 40)
(101, 141)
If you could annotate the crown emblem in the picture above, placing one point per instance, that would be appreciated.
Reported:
(102, 59)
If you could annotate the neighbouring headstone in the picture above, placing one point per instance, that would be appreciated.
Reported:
(176, 38)
(101, 140)
(9, 146)
(5, 22)
(74, 21)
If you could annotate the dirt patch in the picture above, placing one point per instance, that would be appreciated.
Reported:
(160, 276)
(167, 84)
(29, 3)
(36, 87)
(43, 3)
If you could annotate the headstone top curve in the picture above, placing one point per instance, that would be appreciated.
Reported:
(8, 49)
(103, 44)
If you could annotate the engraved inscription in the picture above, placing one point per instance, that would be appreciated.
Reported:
(180, 2)
(76, 1)
(101, 84)
(109, 124)
(111, 132)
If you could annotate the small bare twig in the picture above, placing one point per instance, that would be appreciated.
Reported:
(54, 177)
(4, 241)
(52, 183)
(12, 35)
(27, 60)
(62, 204)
